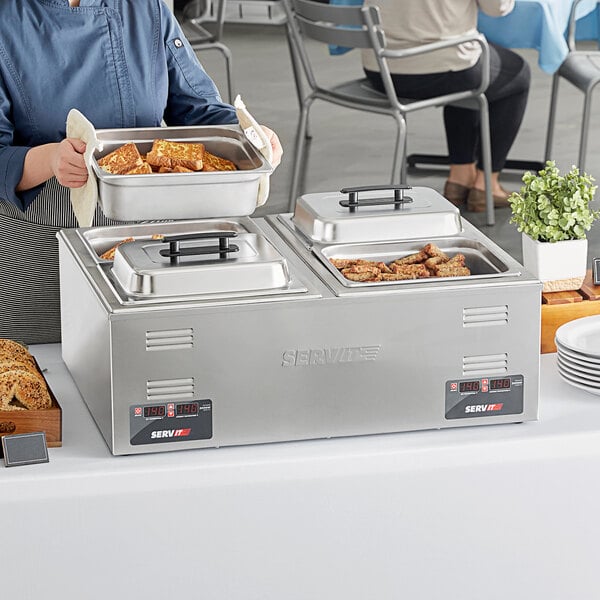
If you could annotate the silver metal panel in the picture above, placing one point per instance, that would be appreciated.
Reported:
(326, 368)
(86, 341)
(321, 218)
(182, 195)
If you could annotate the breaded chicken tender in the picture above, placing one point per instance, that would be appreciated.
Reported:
(432, 250)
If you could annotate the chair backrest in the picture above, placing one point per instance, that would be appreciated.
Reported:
(336, 25)
(573, 25)
(360, 27)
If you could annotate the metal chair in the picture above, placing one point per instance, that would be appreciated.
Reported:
(202, 23)
(360, 27)
(582, 69)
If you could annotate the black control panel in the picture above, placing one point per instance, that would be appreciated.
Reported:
(484, 397)
(170, 422)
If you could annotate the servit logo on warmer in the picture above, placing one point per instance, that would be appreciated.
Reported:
(484, 408)
(170, 433)
(329, 356)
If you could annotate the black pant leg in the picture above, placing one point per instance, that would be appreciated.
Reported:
(510, 78)
(507, 97)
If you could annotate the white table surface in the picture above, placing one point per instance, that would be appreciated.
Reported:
(481, 513)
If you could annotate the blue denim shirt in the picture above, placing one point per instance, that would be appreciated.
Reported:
(122, 63)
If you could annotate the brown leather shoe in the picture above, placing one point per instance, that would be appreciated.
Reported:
(476, 201)
(456, 193)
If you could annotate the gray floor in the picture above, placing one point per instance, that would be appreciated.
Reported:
(354, 148)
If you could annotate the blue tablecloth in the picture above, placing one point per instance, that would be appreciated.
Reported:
(539, 24)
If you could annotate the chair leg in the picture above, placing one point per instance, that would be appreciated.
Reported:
(299, 152)
(486, 151)
(551, 118)
(297, 72)
(230, 89)
(585, 127)
(399, 168)
(403, 163)
(228, 60)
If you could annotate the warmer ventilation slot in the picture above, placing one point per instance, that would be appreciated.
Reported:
(170, 339)
(170, 389)
(483, 316)
(490, 364)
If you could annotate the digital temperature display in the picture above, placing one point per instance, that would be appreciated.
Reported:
(500, 384)
(469, 386)
(187, 409)
(154, 412)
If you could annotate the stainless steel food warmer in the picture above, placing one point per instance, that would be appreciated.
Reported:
(248, 334)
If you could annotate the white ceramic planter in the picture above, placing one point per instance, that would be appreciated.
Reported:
(559, 265)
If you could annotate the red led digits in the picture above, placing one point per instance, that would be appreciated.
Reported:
(189, 409)
(469, 386)
(154, 411)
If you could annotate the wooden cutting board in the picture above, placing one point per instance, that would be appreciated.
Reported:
(561, 307)
(588, 289)
(561, 297)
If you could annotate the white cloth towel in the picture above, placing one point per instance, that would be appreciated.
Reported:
(259, 139)
(85, 198)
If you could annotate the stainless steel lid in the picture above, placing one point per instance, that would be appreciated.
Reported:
(199, 263)
(376, 213)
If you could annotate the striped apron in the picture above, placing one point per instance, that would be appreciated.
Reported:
(29, 282)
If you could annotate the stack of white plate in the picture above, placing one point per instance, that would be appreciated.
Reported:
(578, 347)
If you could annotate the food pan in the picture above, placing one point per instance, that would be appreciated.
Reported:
(480, 260)
(182, 195)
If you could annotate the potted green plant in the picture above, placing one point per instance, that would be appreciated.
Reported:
(553, 214)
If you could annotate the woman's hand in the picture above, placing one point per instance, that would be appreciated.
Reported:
(275, 145)
(63, 159)
(67, 163)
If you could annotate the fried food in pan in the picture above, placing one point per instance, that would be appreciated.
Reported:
(165, 156)
(430, 261)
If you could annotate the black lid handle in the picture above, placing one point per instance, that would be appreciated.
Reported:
(175, 252)
(204, 235)
(353, 202)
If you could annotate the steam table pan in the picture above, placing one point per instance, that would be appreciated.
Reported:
(182, 195)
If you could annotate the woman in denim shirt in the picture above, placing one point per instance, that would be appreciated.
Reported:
(122, 63)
